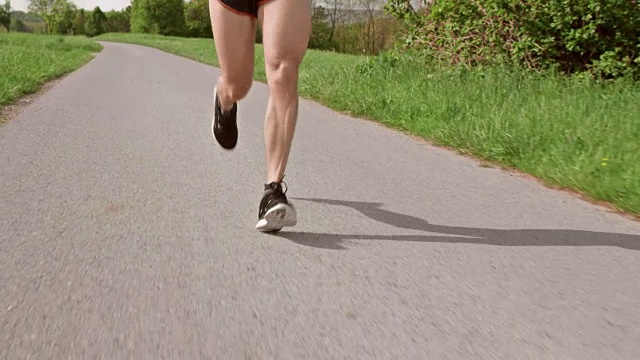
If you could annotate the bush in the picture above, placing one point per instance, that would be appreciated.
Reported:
(370, 35)
(163, 17)
(600, 37)
(197, 19)
(321, 34)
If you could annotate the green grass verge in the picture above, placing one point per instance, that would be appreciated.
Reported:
(27, 61)
(567, 132)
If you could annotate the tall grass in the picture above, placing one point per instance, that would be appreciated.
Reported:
(568, 132)
(27, 61)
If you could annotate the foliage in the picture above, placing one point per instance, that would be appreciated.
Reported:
(44, 10)
(321, 32)
(197, 18)
(79, 22)
(258, 35)
(96, 22)
(61, 17)
(163, 17)
(370, 37)
(119, 21)
(599, 37)
(352, 31)
(26, 22)
(26, 17)
(19, 26)
(5, 15)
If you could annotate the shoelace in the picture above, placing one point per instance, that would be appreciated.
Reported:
(281, 184)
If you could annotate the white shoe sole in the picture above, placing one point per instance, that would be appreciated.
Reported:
(278, 217)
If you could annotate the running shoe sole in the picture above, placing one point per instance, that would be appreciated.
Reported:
(278, 217)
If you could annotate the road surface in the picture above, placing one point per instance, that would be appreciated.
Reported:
(128, 233)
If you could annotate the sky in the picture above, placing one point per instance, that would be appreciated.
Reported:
(105, 5)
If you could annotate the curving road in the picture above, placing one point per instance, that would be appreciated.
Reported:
(127, 233)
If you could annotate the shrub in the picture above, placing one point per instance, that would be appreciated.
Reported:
(600, 37)
(321, 31)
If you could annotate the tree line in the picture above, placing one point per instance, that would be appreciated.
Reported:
(63, 17)
(600, 37)
(348, 26)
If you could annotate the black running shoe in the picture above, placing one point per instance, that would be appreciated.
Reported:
(224, 126)
(275, 212)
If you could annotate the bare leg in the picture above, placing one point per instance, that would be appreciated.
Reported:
(286, 30)
(234, 36)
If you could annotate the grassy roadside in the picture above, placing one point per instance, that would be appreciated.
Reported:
(28, 61)
(569, 133)
(203, 50)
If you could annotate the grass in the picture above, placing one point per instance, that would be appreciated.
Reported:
(28, 61)
(203, 50)
(567, 132)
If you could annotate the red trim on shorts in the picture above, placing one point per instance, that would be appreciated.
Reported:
(236, 11)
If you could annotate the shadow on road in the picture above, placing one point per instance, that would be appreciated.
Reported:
(525, 237)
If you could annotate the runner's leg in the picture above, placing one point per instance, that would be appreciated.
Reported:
(234, 36)
(286, 30)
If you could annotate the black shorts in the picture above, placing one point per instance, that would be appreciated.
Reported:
(244, 7)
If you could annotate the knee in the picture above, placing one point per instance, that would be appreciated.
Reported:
(282, 72)
(238, 88)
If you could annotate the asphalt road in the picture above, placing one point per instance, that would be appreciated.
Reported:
(128, 233)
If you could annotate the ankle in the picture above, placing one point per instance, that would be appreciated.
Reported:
(224, 97)
(275, 185)
(275, 180)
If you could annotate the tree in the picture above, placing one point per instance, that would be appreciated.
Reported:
(19, 26)
(95, 24)
(57, 14)
(401, 8)
(342, 17)
(100, 20)
(334, 14)
(62, 15)
(43, 8)
(5, 15)
(79, 23)
(119, 21)
(164, 17)
(368, 34)
(320, 31)
(197, 18)
(90, 27)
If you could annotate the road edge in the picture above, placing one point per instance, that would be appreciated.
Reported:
(14, 108)
(604, 206)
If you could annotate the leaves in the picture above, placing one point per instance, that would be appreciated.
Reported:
(5, 15)
(197, 18)
(600, 37)
(163, 17)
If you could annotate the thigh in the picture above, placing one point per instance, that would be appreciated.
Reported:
(286, 28)
(234, 36)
